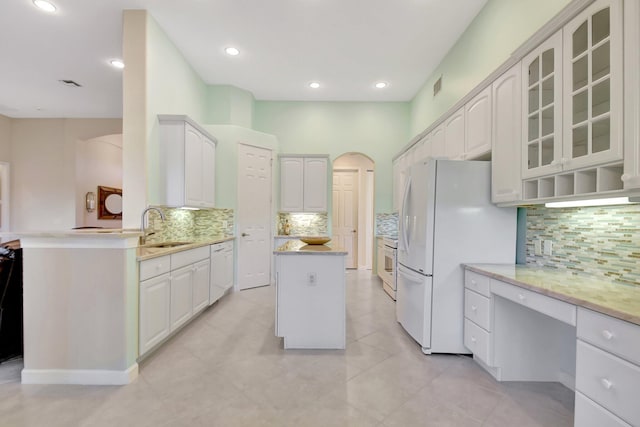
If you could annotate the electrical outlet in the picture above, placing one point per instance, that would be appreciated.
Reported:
(312, 279)
(548, 247)
(537, 247)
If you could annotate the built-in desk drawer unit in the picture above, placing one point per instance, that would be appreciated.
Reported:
(552, 307)
(613, 335)
(590, 414)
(477, 309)
(609, 381)
(154, 267)
(477, 282)
(478, 341)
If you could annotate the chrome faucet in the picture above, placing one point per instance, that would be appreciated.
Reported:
(143, 238)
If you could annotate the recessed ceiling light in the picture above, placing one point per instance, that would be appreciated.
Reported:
(232, 51)
(314, 85)
(117, 63)
(381, 85)
(45, 5)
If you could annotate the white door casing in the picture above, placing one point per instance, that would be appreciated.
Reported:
(345, 214)
(254, 216)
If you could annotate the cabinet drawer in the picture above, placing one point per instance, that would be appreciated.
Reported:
(180, 259)
(614, 335)
(478, 341)
(477, 282)
(154, 267)
(552, 307)
(590, 414)
(477, 309)
(609, 381)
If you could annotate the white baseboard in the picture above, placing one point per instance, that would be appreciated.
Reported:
(79, 376)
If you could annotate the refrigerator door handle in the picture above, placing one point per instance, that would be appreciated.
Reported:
(410, 275)
(404, 219)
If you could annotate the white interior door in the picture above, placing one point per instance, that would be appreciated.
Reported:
(345, 214)
(254, 216)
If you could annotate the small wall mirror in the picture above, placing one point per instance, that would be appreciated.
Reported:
(109, 203)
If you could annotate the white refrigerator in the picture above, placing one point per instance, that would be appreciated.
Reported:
(446, 219)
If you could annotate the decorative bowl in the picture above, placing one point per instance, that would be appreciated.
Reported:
(315, 240)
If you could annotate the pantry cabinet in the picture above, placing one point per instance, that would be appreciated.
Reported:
(186, 165)
(477, 140)
(506, 182)
(303, 183)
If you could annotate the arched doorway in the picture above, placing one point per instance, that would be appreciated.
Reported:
(353, 220)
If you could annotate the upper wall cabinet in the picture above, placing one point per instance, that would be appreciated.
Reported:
(593, 86)
(303, 183)
(542, 108)
(506, 183)
(454, 138)
(186, 167)
(478, 125)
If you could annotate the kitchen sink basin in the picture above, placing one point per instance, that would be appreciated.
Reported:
(165, 244)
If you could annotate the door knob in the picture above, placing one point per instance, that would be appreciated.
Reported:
(353, 231)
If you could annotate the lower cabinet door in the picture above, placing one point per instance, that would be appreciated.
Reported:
(181, 296)
(155, 303)
(200, 285)
(228, 264)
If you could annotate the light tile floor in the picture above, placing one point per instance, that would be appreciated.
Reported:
(228, 369)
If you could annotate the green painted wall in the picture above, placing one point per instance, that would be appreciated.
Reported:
(498, 30)
(377, 129)
(229, 105)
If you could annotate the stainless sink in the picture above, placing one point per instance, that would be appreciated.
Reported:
(166, 244)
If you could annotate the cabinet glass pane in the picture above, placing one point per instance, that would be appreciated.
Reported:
(547, 121)
(600, 26)
(601, 135)
(580, 73)
(533, 127)
(534, 71)
(547, 151)
(600, 58)
(533, 155)
(580, 106)
(547, 63)
(534, 96)
(579, 141)
(600, 99)
(580, 40)
(547, 92)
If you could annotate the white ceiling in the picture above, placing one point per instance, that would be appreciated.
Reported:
(346, 45)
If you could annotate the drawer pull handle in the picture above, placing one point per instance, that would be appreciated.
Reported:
(474, 308)
(607, 335)
(521, 297)
(606, 383)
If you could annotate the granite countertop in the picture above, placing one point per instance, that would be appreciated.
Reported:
(607, 297)
(298, 247)
(145, 253)
(107, 233)
(297, 236)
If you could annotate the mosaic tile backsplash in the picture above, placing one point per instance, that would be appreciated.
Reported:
(598, 241)
(302, 224)
(387, 224)
(189, 225)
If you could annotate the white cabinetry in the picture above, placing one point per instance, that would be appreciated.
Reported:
(155, 302)
(631, 176)
(506, 182)
(454, 135)
(186, 166)
(380, 258)
(221, 270)
(607, 370)
(477, 314)
(173, 288)
(478, 125)
(303, 183)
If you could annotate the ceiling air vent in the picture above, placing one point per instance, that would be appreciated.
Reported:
(70, 83)
(437, 86)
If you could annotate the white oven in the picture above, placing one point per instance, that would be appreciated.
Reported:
(390, 265)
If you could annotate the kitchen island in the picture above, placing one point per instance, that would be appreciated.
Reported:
(310, 295)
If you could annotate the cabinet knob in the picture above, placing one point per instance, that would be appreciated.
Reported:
(473, 339)
(474, 308)
(158, 267)
(625, 177)
(521, 297)
(473, 282)
(554, 162)
(606, 383)
(607, 335)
